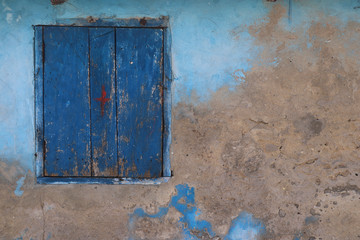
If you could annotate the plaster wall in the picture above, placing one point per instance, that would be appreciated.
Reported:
(265, 131)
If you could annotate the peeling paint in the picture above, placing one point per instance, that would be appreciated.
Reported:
(188, 210)
(22, 234)
(286, 135)
(9, 17)
(18, 192)
(311, 219)
(244, 227)
(297, 236)
(57, 2)
(48, 236)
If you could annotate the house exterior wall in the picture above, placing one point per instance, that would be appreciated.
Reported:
(265, 126)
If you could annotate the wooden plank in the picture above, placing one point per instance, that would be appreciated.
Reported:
(103, 102)
(39, 107)
(139, 113)
(103, 180)
(167, 104)
(66, 102)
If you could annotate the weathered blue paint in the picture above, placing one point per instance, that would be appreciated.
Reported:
(66, 102)
(22, 234)
(114, 22)
(139, 67)
(297, 236)
(167, 103)
(306, 12)
(39, 100)
(244, 227)
(290, 11)
(103, 113)
(48, 236)
(189, 212)
(19, 183)
(204, 55)
(111, 181)
(145, 82)
(311, 219)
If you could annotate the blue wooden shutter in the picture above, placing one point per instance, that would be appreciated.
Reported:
(139, 82)
(103, 102)
(66, 102)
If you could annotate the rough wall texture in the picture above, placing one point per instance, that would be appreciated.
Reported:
(270, 152)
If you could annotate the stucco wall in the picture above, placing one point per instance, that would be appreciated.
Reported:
(265, 140)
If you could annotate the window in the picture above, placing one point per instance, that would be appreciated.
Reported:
(102, 102)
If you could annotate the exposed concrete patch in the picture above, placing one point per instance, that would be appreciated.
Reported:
(282, 138)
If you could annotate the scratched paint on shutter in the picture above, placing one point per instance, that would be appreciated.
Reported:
(103, 102)
(66, 102)
(139, 113)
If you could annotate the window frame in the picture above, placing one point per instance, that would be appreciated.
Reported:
(163, 23)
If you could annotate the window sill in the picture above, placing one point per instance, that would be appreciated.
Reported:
(112, 181)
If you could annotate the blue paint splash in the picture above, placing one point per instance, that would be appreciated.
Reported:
(290, 12)
(18, 192)
(243, 227)
(22, 235)
(311, 219)
(297, 236)
(48, 236)
(184, 202)
(189, 211)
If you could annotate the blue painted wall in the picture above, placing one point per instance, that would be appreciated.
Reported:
(212, 48)
(205, 55)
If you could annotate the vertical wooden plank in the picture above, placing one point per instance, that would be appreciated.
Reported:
(66, 102)
(139, 113)
(38, 93)
(167, 104)
(103, 102)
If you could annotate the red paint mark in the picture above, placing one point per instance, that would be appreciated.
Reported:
(103, 99)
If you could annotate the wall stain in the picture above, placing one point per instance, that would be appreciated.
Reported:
(343, 189)
(143, 21)
(57, 2)
(91, 19)
(309, 125)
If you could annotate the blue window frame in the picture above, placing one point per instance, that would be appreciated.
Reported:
(102, 101)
